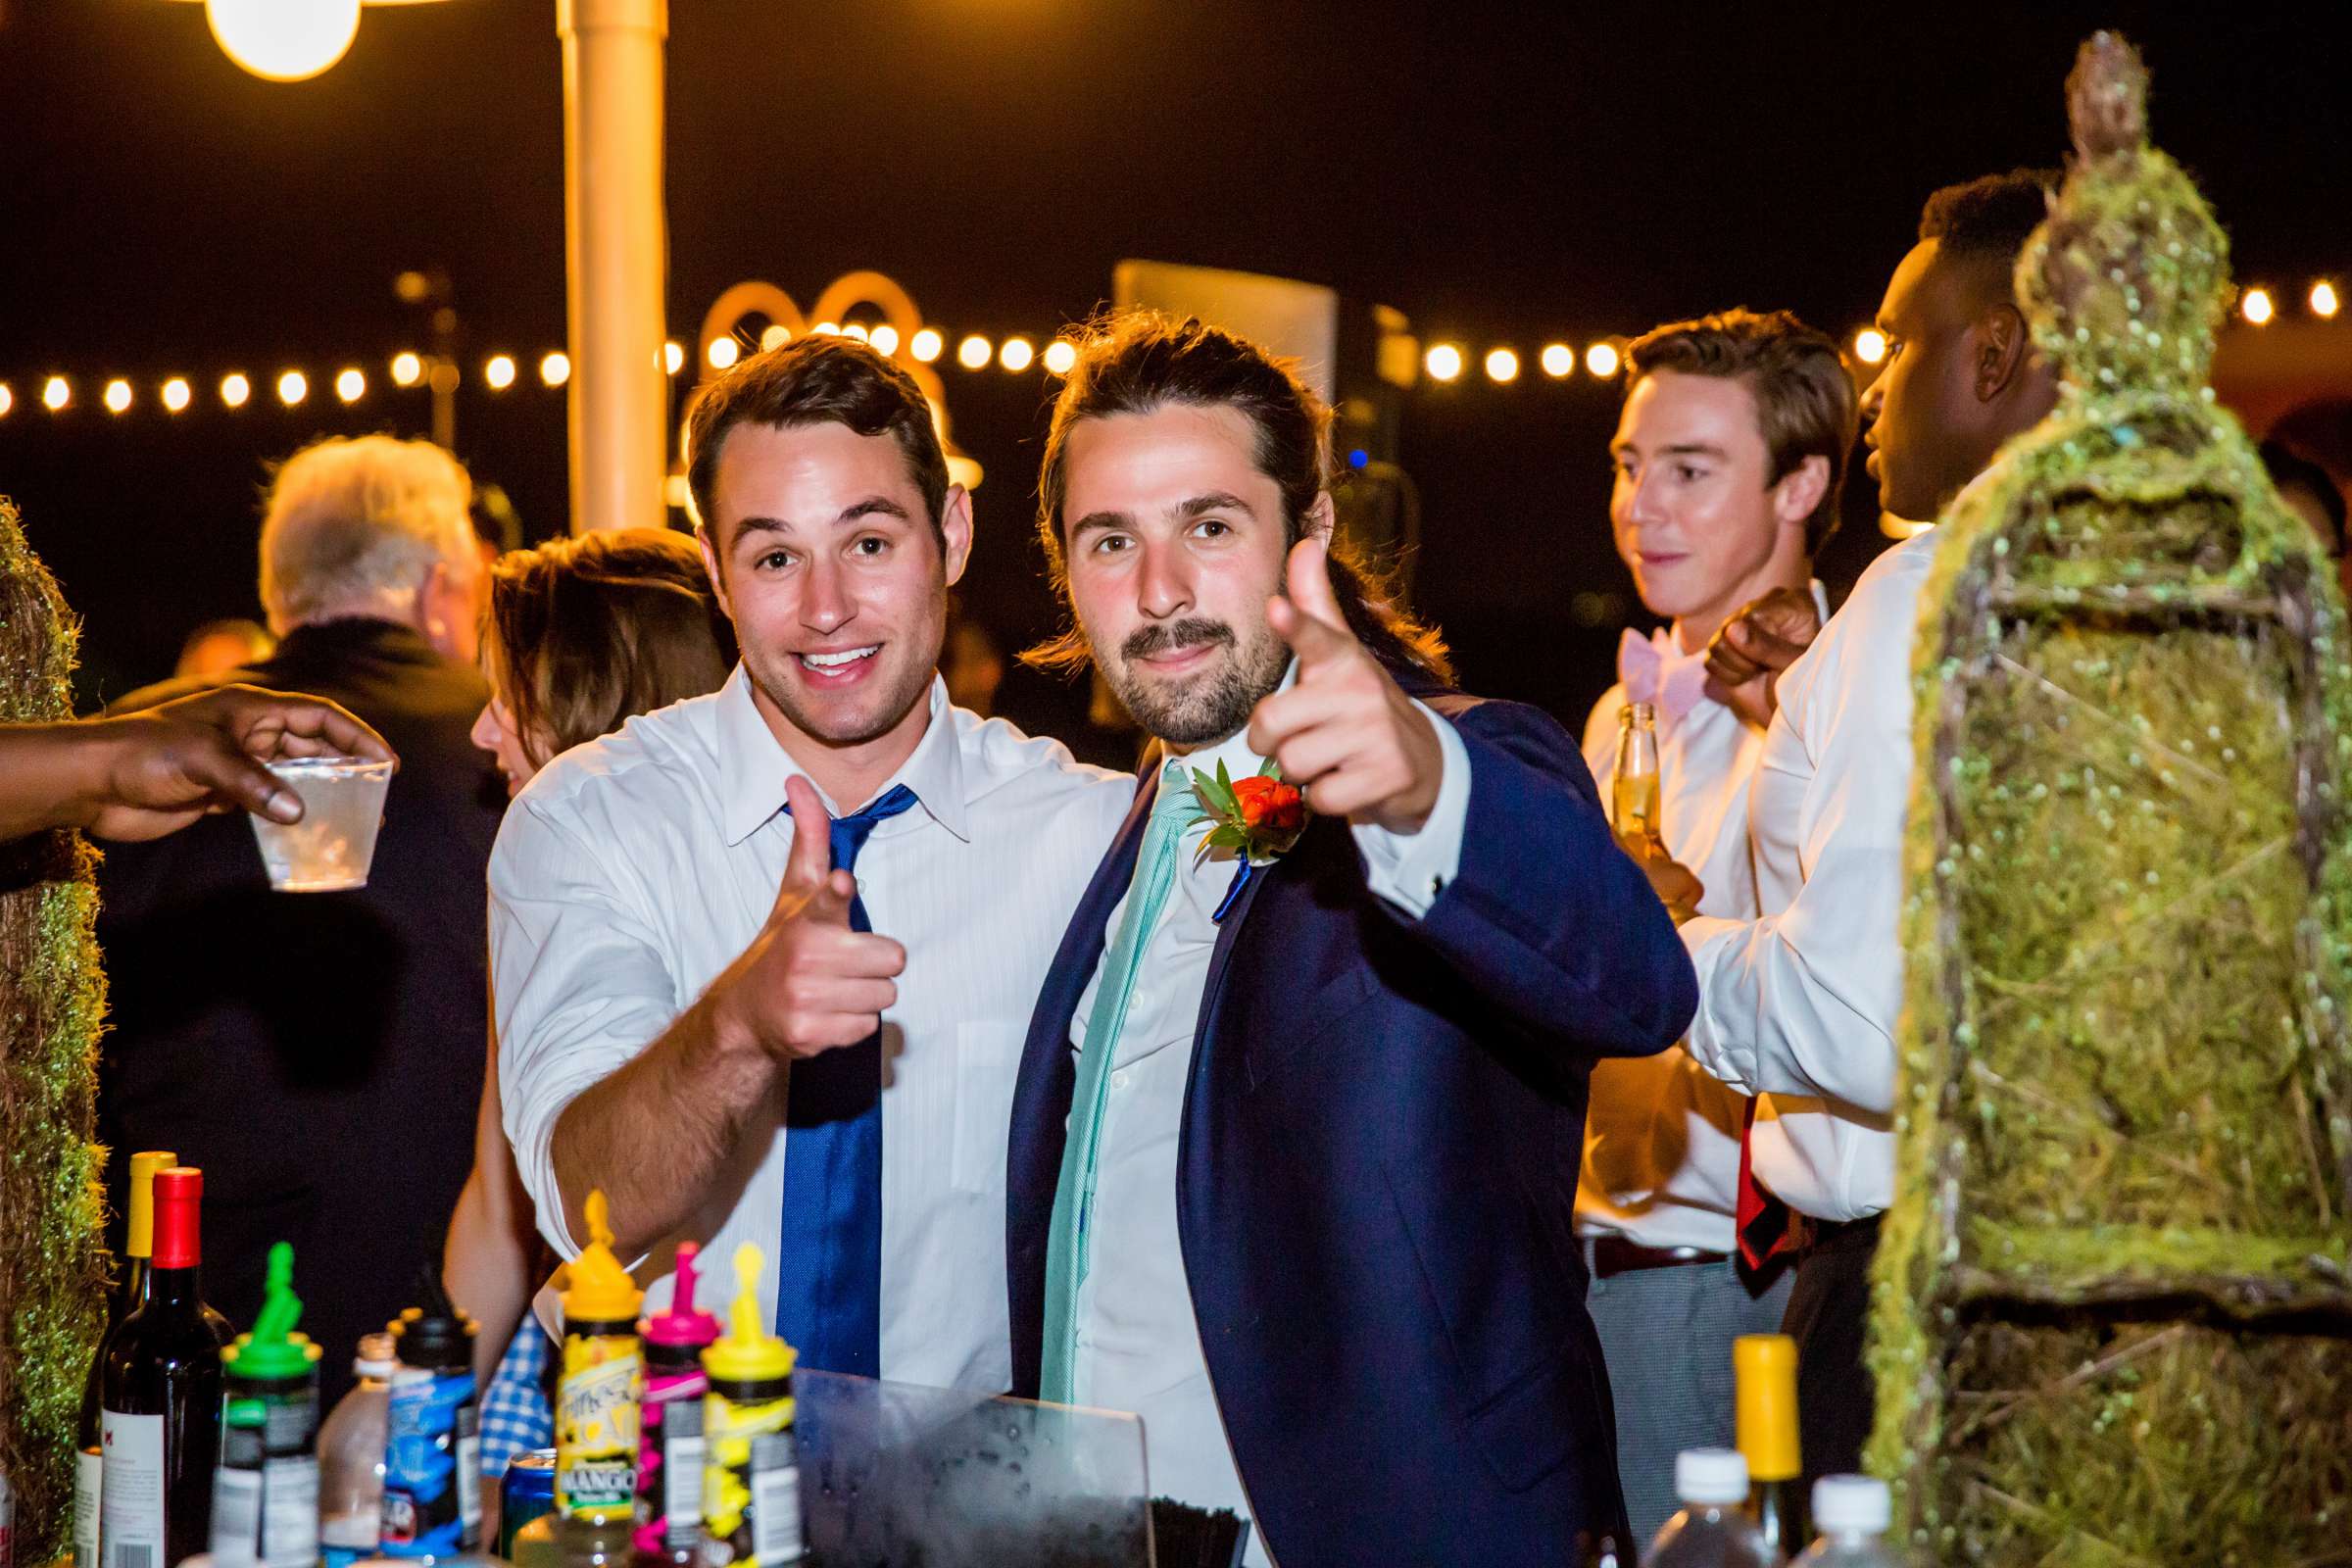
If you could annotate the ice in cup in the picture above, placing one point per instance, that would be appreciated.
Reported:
(342, 806)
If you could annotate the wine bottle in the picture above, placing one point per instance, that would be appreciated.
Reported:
(1764, 1373)
(130, 1288)
(160, 1400)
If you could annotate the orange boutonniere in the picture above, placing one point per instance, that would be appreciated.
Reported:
(1258, 818)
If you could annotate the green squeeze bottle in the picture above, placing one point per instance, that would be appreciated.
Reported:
(266, 1490)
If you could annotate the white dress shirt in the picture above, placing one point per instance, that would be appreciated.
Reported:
(635, 868)
(1138, 1346)
(1661, 1166)
(1799, 1005)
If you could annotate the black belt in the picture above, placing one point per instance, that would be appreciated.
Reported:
(1614, 1254)
(1832, 1235)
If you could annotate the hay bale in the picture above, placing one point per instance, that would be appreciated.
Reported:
(2113, 1301)
(51, 1000)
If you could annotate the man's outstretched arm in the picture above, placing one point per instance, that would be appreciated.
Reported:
(152, 773)
(658, 1126)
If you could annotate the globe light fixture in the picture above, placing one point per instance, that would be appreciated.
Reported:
(284, 41)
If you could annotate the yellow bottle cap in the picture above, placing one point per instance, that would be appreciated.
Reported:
(1764, 1368)
(746, 1352)
(596, 1288)
(141, 1243)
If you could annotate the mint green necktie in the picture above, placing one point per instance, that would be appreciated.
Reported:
(1070, 1242)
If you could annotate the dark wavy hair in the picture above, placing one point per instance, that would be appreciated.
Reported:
(1137, 361)
(819, 379)
(581, 634)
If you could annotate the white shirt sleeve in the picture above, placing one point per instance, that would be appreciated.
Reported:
(579, 986)
(1802, 1002)
(1410, 869)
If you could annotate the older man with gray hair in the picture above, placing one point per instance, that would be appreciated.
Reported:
(319, 1055)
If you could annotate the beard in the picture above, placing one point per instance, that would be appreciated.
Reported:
(1201, 708)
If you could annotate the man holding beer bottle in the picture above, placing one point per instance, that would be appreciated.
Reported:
(1730, 457)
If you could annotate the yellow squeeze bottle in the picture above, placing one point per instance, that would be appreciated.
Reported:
(751, 1467)
(602, 1381)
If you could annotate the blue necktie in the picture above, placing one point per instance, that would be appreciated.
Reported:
(830, 1255)
(1069, 1243)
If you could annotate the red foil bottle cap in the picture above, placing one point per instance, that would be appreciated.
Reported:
(178, 1196)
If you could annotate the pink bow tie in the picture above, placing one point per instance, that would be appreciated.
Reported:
(1656, 671)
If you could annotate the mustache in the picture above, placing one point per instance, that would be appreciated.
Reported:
(1168, 637)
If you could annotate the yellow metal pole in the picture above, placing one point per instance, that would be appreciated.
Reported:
(617, 248)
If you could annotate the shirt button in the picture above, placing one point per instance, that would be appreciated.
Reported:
(1118, 1080)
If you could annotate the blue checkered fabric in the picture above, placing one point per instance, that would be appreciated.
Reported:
(517, 1417)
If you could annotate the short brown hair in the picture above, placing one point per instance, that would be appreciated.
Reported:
(1137, 361)
(582, 634)
(1805, 403)
(818, 379)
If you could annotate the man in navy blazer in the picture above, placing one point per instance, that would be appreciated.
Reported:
(1294, 1145)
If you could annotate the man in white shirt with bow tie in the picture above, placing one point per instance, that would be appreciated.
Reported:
(1730, 457)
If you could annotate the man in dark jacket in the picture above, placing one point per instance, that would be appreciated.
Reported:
(319, 1055)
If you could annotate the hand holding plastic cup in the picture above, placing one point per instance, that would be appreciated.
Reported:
(331, 847)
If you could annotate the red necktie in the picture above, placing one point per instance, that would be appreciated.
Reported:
(1761, 1224)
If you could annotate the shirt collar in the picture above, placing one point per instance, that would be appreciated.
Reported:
(753, 766)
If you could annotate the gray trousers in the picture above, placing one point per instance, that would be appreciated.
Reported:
(1667, 1335)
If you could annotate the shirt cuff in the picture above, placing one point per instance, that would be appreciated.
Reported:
(1731, 1063)
(1410, 869)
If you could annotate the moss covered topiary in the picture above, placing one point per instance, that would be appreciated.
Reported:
(2113, 1301)
(51, 998)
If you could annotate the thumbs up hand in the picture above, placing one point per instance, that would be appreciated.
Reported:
(807, 983)
(1345, 732)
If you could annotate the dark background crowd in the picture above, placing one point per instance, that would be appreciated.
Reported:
(1501, 174)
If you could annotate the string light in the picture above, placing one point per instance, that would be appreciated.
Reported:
(827, 329)
(7, 399)
(1445, 362)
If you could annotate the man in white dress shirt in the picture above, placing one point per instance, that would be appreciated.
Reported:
(1294, 1143)
(1797, 1006)
(701, 1009)
(1730, 460)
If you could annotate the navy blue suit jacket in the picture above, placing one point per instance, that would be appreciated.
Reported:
(1377, 1167)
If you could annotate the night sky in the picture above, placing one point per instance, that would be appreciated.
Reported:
(1498, 177)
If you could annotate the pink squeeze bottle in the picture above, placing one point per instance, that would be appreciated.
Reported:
(669, 1453)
